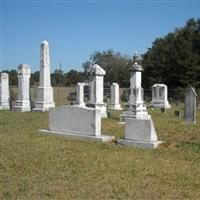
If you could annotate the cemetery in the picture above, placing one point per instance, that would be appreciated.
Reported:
(112, 124)
(71, 145)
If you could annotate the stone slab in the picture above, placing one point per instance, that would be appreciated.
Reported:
(75, 120)
(140, 144)
(101, 138)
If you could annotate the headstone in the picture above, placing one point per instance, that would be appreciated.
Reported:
(177, 113)
(76, 122)
(136, 107)
(96, 74)
(23, 99)
(159, 96)
(45, 91)
(139, 128)
(114, 104)
(190, 106)
(4, 92)
(80, 94)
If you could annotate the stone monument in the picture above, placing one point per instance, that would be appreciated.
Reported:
(44, 91)
(114, 104)
(159, 96)
(190, 106)
(76, 122)
(135, 108)
(23, 99)
(4, 92)
(80, 94)
(96, 74)
(139, 128)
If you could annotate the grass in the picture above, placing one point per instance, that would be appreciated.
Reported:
(36, 166)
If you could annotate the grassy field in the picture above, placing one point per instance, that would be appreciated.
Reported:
(36, 166)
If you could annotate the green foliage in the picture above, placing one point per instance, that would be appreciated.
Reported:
(116, 66)
(175, 58)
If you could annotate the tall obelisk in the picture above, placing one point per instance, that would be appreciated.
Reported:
(44, 91)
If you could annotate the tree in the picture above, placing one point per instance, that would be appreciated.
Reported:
(175, 58)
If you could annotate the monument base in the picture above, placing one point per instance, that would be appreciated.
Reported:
(4, 106)
(22, 106)
(160, 104)
(115, 107)
(43, 106)
(101, 107)
(140, 144)
(101, 138)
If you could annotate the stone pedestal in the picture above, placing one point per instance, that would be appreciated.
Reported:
(114, 104)
(159, 96)
(23, 99)
(190, 106)
(4, 92)
(44, 91)
(139, 133)
(96, 82)
(80, 95)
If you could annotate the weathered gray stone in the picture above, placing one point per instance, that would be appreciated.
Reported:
(4, 92)
(114, 104)
(159, 96)
(190, 106)
(23, 99)
(96, 74)
(76, 122)
(45, 91)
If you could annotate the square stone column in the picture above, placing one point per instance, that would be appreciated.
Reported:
(23, 99)
(4, 92)
(80, 94)
(44, 91)
(96, 83)
(159, 96)
(114, 104)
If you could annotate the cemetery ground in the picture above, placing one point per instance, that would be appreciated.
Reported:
(36, 166)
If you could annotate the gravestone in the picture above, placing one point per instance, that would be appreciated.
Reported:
(139, 128)
(190, 106)
(136, 107)
(44, 91)
(96, 75)
(114, 104)
(76, 122)
(80, 94)
(23, 99)
(177, 113)
(159, 96)
(4, 92)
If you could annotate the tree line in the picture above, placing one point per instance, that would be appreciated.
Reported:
(173, 60)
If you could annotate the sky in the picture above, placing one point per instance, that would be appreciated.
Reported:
(76, 29)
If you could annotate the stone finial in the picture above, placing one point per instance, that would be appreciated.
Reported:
(45, 42)
(136, 66)
(96, 70)
(24, 69)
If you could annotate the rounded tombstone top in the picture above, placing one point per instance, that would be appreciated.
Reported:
(4, 75)
(45, 42)
(159, 85)
(24, 69)
(115, 84)
(96, 70)
(136, 66)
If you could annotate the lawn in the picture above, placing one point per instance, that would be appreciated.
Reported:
(36, 166)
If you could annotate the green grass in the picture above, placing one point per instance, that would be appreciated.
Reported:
(36, 166)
